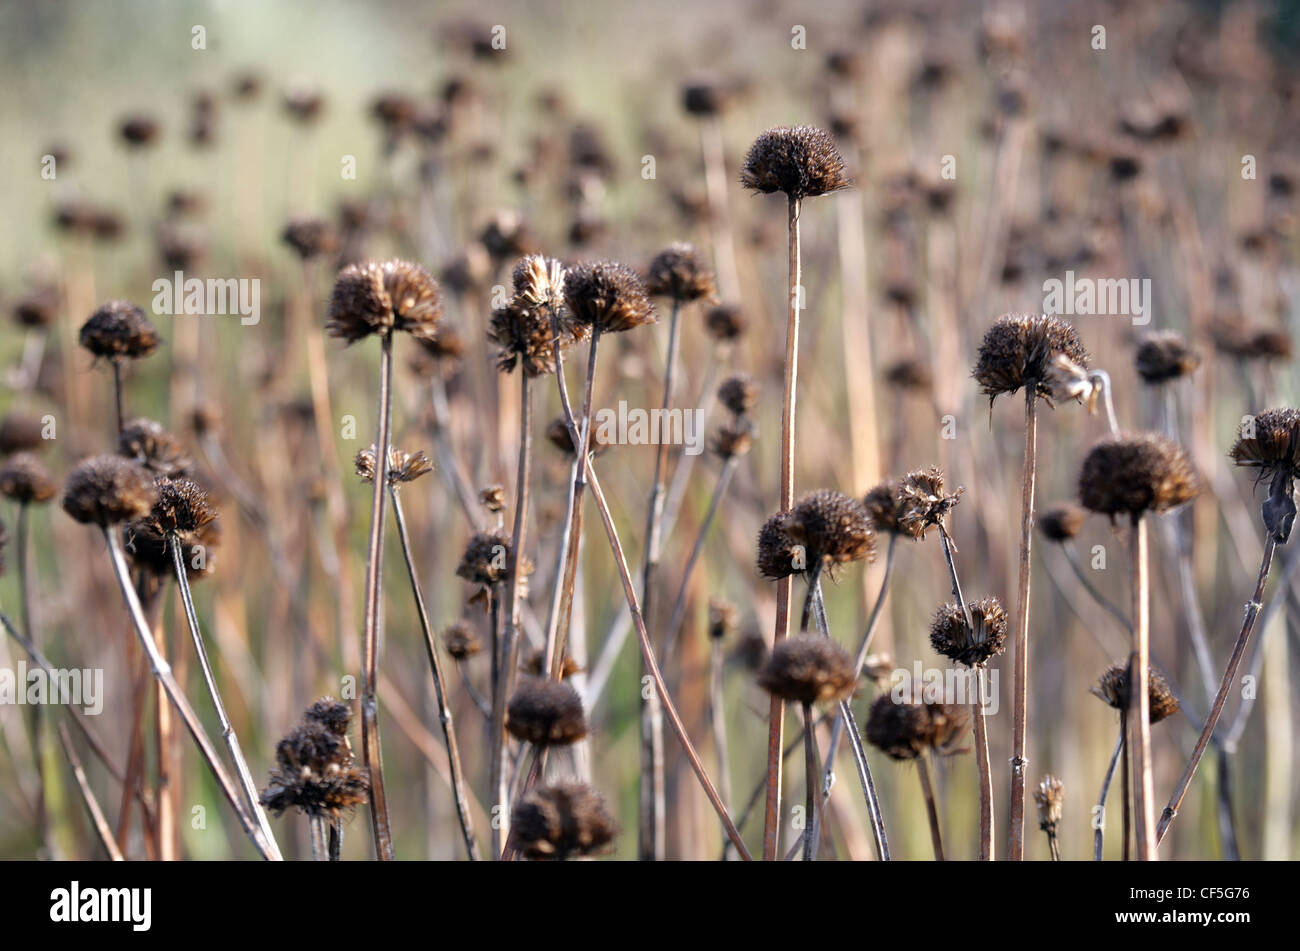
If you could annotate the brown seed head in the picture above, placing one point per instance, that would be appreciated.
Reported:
(402, 466)
(486, 558)
(923, 501)
(808, 669)
(886, 507)
(181, 508)
(833, 528)
(546, 713)
(106, 490)
(1270, 442)
(723, 617)
(1050, 799)
(20, 432)
(139, 130)
(912, 373)
(37, 309)
(564, 820)
(1163, 356)
(607, 296)
(1136, 473)
(905, 731)
(119, 329)
(145, 442)
(1060, 523)
(314, 773)
(334, 715)
(738, 393)
(679, 272)
(951, 638)
(1113, 689)
(1018, 351)
(801, 161)
(461, 640)
(310, 237)
(725, 322)
(733, 438)
(378, 298)
(25, 479)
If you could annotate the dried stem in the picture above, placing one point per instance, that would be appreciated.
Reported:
(718, 720)
(88, 797)
(36, 714)
(927, 791)
(1139, 707)
(811, 798)
(1021, 659)
(1099, 820)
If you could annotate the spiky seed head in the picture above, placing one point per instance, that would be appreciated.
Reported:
(885, 506)
(106, 490)
(546, 712)
(808, 669)
(119, 330)
(723, 617)
(1018, 351)
(1060, 523)
(382, 297)
(801, 161)
(679, 272)
(334, 715)
(1136, 473)
(146, 442)
(725, 322)
(832, 527)
(905, 731)
(539, 281)
(461, 640)
(564, 820)
(1270, 443)
(1163, 356)
(1113, 689)
(524, 336)
(607, 296)
(733, 438)
(315, 774)
(1050, 799)
(923, 501)
(779, 555)
(181, 509)
(738, 393)
(402, 466)
(950, 636)
(486, 558)
(25, 479)
(310, 237)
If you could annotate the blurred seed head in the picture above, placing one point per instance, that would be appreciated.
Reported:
(106, 490)
(563, 820)
(733, 438)
(119, 330)
(486, 558)
(801, 161)
(725, 322)
(546, 712)
(493, 498)
(1018, 351)
(679, 272)
(1050, 799)
(147, 443)
(950, 636)
(1163, 356)
(461, 640)
(885, 507)
(140, 130)
(723, 618)
(20, 432)
(738, 393)
(25, 480)
(1060, 523)
(440, 357)
(536, 664)
(402, 466)
(905, 731)
(37, 309)
(1113, 689)
(304, 104)
(911, 373)
(1136, 473)
(310, 237)
(808, 669)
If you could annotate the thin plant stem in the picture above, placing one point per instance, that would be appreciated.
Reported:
(370, 748)
(1020, 687)
(557, 584)
(1140, 698)
(927, 791)
(336, 840)
(36, 718)
(718, 720)
(776, 710)
(117, 394)
(1099, 820)
(162, 672)
(1073, 558)
(439, 684)
(242, 772)
(97, 819)
(319, 849)
(679, 608)
(1125, 784)
(811, 799)
(1216, 710)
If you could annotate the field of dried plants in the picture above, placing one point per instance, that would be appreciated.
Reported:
(750, 430)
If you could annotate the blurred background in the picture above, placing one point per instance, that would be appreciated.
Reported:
(993, 146)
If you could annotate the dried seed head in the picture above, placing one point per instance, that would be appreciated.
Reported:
(139, 130)
(1050, 799)
(779, 555)
(315, 774)
(564, 820)
(536, 664)
(1136, 473)
(524, 336)
(506, 236)
(181, 508)
(1270, 442)
(723, 617)
(1113, 689)
(607, 296)
(750, 651)
(905, 731)
(950, 636)
(25, 479)
(886, 507)
(378, 298)
(725, 322)
(1018, 351)
(334, 715)
(808, 669)
(37, 309)
(486, 558)
(539, 281)
(705, 96)
(832, 527)
(923, 501)
(461, 640)
(801, 161)
(546, 713)
(1163, 356)
(732, 439)
(147, 443)
(310, 237)
(912, 373)
(738, 393)
(1236, 338)
(106, 490)
(680, 273)
(119, 330)
(1060, 523)
(402, 466)
(493, 498)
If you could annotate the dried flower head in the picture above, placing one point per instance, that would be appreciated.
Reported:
(833, 528)
(506, 236)
(147, 443)
(725, 322)
(1018, 351)
(801, 161)
(607, 296)
(706, 96)
(564, 820)
(315, 774)
(379, 298)
(402, 466)
(537, 664)
(334, 715)
(181, 511)
(546, 712)
(1050, 799)
(119, 330)
(493, 498)
(738, 393)
(1233, 336)
(1136, 473)
(779, 555)
(486, 558)
(911, 373)
(950, 636)
(1060, 523)
(732, 439)
(808, 669)
(1163, 356)
(37, 309)
(461, 640)
(139, 130)
(723, 617)
(1113, 689)
(905, 731)
(25, 479)
(679, 272)
(923, 502)
(885, 506)
(1270, 442)
(310, 237)
(106, 490)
